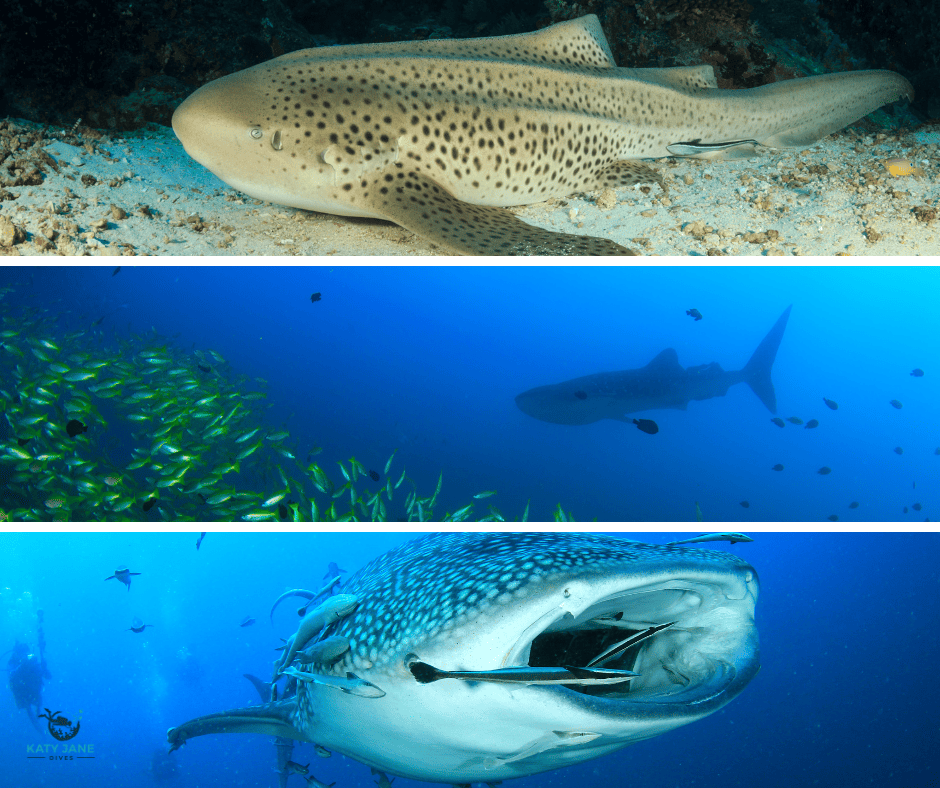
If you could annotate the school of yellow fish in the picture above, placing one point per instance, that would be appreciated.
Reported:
(200, 447)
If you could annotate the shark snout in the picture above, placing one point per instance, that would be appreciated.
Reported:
(221, 120)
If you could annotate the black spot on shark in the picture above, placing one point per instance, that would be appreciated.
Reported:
(661, 384)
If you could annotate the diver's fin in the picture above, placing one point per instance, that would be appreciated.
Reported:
(757, 370)
(271, 719)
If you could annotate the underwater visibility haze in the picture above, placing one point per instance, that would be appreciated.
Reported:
(291, 393)
(846, 655)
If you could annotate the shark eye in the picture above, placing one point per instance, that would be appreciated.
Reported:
(256, 133)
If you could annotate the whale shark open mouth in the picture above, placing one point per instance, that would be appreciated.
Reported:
(687, 641)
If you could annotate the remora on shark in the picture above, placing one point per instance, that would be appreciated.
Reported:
(660, 384)
(439, 136)
(505, 610)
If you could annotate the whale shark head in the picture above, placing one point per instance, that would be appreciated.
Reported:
(508, 608)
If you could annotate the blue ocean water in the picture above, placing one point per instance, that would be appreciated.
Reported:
(845, 695)
(427, 360)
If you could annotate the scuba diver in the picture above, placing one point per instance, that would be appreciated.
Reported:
(27, 673)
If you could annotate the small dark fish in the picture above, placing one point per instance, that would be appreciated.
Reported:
(853, 505)
(833, 405)
(138, 626)
(647, 426)
(917, 373)
(777, 467)
(824, 471)
(99, 321)
(694, 313)
(811, 424)
(201, 537)
(116, 271)
(333, 570)
(75, 427)
(282, 512)
(247, 621)
(23, 441)
(374, 475)
(123, 575)
(833, 517)
(794, 420)
(581, 394)
(917, 507)
(778, 421)
(898, 450)
(905, 510)
(745, 504)
(896, 404)
(148, 504)
(315, 297)
(204, 368)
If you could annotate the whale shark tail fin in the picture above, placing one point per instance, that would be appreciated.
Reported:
(757, 370)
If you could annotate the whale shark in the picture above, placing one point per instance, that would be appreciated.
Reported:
(441, 136)
(662, 383)
(494, 613)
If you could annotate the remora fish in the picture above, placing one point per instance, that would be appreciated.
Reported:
(440, 136)
(485, 602)
(721, 537)
(660, 384)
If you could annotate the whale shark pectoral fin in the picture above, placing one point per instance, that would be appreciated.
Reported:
(271, 719)
(419, 204)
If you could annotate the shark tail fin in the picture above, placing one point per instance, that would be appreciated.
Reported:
(757, 370)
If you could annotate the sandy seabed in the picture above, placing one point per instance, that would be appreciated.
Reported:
(140, 194)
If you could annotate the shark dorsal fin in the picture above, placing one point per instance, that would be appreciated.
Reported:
(666, 360)
(578, 43)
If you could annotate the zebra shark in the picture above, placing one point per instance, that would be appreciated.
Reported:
(440, 136)
(458, 631)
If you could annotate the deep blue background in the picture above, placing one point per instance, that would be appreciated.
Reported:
(429, 359)
(846, 695)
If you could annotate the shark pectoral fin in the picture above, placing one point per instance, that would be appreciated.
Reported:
(417, 203)
(628, 173)
(552, 740)
(272, 719)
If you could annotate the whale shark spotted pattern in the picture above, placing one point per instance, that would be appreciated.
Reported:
(500, 618)
(439, 136)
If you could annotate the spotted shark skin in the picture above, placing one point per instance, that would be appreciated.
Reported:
(477, 601)
(438, 136)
